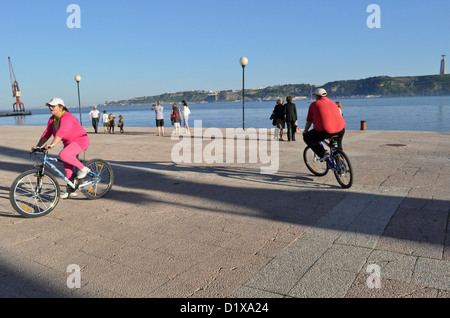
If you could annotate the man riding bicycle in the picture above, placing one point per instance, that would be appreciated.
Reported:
(327, 121)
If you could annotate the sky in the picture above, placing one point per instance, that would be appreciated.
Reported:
(132, 48)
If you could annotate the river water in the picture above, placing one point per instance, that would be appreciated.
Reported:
(407, 114)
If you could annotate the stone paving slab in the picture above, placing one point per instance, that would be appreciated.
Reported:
(205, 229)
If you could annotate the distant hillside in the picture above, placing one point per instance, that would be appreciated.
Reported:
(381, 86)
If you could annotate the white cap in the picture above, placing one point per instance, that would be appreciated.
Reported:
(55, 101)
(320, 92)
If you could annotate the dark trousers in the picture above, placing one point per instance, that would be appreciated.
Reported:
(313, 138)
(95, 123)
(291, 128)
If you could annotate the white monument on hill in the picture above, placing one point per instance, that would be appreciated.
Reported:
(443, 65)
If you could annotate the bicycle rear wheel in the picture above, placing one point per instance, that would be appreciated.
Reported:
(344, 175)
(317, 167)
(33, 196)
(100, 181)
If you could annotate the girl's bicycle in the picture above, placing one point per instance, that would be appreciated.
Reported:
(36, 192)
(337, 161)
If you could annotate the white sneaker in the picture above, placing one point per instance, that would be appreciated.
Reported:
(83, 173)
(67, 195)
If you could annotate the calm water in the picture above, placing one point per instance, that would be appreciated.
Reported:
(410, 114)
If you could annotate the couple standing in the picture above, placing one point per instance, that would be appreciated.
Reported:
(286, 115)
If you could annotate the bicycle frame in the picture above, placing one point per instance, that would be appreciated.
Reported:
(47, 161)
(331, 161)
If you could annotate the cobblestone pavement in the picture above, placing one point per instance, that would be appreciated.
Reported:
(212, 229)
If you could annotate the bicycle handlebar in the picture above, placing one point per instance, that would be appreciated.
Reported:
(39, 149)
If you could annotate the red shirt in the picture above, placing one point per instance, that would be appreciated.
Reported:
(325, 116)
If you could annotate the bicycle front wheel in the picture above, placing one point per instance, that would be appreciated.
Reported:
(99, 181)
(32, 195)
(344, 175)
(317, 167)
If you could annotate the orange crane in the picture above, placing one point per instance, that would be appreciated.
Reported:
(18, 105)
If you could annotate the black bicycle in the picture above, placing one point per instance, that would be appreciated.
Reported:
(338, 162)
(36, 192)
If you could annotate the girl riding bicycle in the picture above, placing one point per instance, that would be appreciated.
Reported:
(66, 128)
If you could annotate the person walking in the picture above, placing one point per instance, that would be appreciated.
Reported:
(186, 113)
(120, 124)
(279, 117)
(94, 118)
(291, 118)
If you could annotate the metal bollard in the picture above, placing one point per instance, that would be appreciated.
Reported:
(363, 125)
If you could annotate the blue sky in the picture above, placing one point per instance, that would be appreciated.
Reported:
(135, 48)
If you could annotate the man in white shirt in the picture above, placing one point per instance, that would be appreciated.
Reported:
(94, 117)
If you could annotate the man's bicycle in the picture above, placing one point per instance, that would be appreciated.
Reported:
(36, 192)
(338, 162)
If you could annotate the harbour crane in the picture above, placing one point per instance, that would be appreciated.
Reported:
(18, 105)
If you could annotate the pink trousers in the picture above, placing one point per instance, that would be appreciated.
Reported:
(69, 155)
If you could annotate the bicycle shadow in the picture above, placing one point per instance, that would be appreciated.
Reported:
(295, 197)
(4, 197)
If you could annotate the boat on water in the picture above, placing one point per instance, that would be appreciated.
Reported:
(16, 113)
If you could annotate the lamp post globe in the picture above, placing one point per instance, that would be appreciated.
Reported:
(78, 79)
(243, 61)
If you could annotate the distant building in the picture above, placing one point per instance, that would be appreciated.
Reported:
(443, 71)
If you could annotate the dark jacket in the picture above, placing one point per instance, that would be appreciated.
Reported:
(291, 112)
(279, 111)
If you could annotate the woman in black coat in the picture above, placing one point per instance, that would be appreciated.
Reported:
(279, 117)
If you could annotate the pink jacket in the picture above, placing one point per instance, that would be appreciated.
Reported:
(69, 129)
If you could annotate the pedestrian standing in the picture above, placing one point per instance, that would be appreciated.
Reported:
(186, 113)
(159, 117)
(291, 118)
(176, 118)
(94, 117)
(105, 120)
(120, 123)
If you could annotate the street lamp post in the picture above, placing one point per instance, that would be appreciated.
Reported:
(78, 79)
(244, 62)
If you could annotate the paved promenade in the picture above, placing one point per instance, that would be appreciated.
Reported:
(206, 229)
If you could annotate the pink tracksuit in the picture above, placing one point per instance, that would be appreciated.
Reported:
(74, 138)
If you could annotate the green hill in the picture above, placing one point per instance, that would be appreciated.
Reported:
(380, 86)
